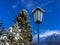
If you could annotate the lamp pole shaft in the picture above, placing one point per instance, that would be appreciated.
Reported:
(38, 35)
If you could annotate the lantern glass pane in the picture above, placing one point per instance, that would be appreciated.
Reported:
(39, 15)
(35, 16)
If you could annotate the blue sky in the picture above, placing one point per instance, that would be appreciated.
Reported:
(9, 9)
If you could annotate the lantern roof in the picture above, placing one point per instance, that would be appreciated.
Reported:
(38, 8)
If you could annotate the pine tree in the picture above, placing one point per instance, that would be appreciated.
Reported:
(2, 33)
(2, 30)
(23, 22)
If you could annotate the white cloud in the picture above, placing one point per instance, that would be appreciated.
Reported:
(47, 33)
(22, 1)
(27, 3)
(15, 5)
(46, 3)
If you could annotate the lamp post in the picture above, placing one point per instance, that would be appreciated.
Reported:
(38, 15)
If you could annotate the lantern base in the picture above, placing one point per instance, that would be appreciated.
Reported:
(38, 22)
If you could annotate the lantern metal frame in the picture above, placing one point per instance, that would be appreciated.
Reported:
(38, 21)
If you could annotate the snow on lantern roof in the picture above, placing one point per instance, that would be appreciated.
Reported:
(38, 8)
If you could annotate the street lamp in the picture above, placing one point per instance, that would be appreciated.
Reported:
(38, 14)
